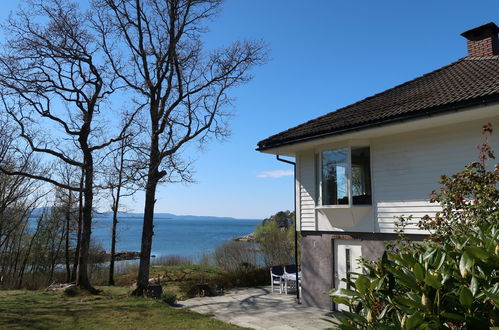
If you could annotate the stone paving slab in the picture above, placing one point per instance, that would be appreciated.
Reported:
(258, 308)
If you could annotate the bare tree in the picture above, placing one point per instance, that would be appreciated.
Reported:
(121, 181)
(67, 206)
(184, 89)
(18, 194)
(53, 82)
(18, 198)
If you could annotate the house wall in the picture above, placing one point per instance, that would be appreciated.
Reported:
(317, 260)
(317, 269)
(405, 168)
(307, 194)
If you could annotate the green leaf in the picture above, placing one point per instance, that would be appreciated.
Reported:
(466, 262)
(341, 300)
(442, 260)
(356, 317)
(408, 302)
(429, 253)
(346, 327)
(362, 284)
(414, 320)
(435, 281)
(403, 278)
(477, 252)
(466, 297)
(474, 285)
(419, 272)
(376, 284)
(452, 316)
(345, 293)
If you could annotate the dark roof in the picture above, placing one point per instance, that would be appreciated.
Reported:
(466, 82)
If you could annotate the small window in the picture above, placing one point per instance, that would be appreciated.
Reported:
(348, 266)
(361, 176)
(335, 177)
(345, 176)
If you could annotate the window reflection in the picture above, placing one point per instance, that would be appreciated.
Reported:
(334, 177)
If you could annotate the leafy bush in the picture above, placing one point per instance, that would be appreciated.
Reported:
(171, 260)
(275, 237)
(169, 298)
(246, 276)
(231, 255)
(185, 280)
(448, 281)
(452, 284)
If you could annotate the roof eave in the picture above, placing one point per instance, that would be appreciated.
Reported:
(413, 115)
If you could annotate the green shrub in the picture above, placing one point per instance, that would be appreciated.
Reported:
(171, 260)
(449, 281)
(245, 276)
(169, 298)
(451, 284)
(275, 238)
(232, 254)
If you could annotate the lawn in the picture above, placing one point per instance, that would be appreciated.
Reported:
(112, 309)
(182, 280)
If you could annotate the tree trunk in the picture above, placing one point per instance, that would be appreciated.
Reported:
(113, 236)
(147, 234)
(153, 177)
(27, 255)
(66, 248)
(78, 232)
(83, 280)
(116, 206)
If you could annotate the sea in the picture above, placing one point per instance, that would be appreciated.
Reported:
(186, 236)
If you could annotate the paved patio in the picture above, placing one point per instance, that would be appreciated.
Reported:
(257, 308)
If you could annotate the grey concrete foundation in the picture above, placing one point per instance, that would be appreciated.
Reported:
(317, 269)
(317, 261)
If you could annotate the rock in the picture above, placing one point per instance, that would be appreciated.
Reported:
(245, 238)
(153, 291)
(60, 286)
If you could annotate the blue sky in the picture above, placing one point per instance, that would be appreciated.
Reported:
(323, 55)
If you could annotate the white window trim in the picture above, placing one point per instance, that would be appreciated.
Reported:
(349, 179)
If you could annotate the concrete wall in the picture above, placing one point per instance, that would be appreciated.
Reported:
(317, 269)
(317, 261)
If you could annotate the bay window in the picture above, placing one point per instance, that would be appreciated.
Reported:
(345, 176)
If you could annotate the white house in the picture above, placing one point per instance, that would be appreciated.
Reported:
(360, 167)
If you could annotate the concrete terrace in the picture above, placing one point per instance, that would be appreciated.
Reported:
(257, 308)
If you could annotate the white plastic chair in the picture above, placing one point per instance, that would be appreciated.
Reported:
(276, 273)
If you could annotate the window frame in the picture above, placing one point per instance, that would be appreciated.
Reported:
(349, 177)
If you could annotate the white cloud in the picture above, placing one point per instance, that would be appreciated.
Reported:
(275, 173)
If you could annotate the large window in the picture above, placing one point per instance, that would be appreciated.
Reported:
(345, 176)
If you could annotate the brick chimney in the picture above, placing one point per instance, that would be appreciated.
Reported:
(482, 40)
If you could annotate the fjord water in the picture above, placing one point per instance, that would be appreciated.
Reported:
(187, 236)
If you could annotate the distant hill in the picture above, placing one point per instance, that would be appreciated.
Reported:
(162, 216)
(126, 215)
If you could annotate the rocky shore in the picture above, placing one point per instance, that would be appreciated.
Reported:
(104, 256)
(246, 238)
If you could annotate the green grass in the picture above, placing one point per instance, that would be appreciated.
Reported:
(112, 309)
(181, 279)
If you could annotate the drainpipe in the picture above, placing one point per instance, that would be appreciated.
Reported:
(296, 227)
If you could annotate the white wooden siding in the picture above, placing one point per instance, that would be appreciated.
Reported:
(307, 201)
(407, 167)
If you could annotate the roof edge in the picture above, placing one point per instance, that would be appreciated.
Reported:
(420, 113)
